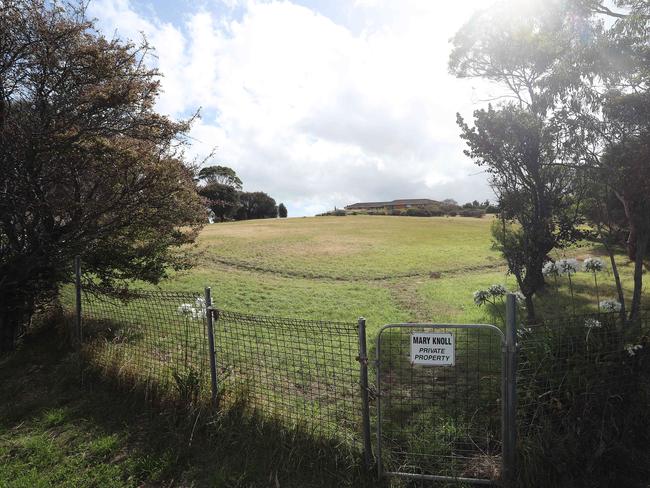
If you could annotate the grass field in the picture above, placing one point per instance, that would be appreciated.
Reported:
(56, 432)
(386, 269)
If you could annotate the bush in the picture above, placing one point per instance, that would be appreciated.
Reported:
(417, 212)
(448, 208)
(472, 212)
(583, 396)
(435, 211)
(334, 213)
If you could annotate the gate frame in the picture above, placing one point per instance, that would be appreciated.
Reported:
(508, 389)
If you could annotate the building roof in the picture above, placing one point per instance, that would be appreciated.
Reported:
(406, 201)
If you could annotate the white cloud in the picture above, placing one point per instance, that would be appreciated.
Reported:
(316, 113)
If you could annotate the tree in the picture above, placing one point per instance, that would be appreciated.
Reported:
(222, 175)
(536, 196)
(519, 143)
(282, 211)
(609, 117)
(88, 167)
(256, 205)
(223, 200)
(629, 162)
(625, 160)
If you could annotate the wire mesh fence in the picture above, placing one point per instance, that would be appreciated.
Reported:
(445, 420)
(583, 396)
(303, 372)
(572, 372)
(158, 338)
(572, 364)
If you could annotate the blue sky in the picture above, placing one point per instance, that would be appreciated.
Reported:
(320, 104)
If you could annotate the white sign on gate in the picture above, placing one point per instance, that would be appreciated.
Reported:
(433, 348)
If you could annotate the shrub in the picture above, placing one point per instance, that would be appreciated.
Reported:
(417, 212)
(583, 392)
(435, 211)
(447, 208)
(334, 213)
(472, 212)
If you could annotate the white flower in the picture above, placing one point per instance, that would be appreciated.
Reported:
(593, 324)
(593, 265)
(550, 269)
(632, 349)
(481, 296)
(185, 309)
(497, 290)
(610, 306)
(521, 298)
(194, 313)
(200, 310)
(568, 266)
(523, 332)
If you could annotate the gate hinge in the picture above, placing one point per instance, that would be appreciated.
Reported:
(363, 360)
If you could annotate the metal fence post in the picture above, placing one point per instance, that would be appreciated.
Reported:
(77, 284)
(213, 358)
(510, 393)
(365, 402)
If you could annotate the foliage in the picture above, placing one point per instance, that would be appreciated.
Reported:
(337, 212)
(55, 431)
(92, 169)
(256, 205)
(222, 199)
(582, 398)
(493, 298)
(227, 201)
(188, 385)
(606, 116)
(472, 212)
(417, 212)
(519, 152)
(519, 143)
(222, 175)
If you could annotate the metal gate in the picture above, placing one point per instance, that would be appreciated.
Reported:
(445, 402)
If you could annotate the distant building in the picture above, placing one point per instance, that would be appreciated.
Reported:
(392, 205)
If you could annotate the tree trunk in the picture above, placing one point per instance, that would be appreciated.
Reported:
(528, 295)
(530, 310)
(617, 279)
(641, 247)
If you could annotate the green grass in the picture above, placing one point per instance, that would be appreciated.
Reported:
(296, 297)
(56, 432)
(387, 269)
(354, 247)
(280, 268)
